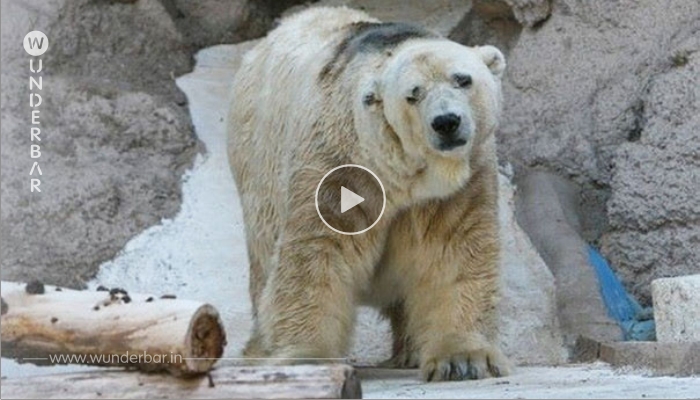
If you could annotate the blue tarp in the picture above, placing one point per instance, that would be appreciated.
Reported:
(636, 322)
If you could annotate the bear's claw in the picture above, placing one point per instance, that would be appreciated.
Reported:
(468, 365)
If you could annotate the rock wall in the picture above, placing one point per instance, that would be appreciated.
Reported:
(116, 132)
(209, 22)
(607, 94)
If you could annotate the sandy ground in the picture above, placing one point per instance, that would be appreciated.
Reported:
(200, 254)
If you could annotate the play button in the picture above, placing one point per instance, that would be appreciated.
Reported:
(350, 199)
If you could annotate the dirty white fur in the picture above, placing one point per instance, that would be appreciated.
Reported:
(431, 263)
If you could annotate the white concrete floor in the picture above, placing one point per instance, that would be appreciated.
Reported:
(592, 381)
(200, 254)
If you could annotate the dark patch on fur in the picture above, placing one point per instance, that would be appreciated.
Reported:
(370, 37)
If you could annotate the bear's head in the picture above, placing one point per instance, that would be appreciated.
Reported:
(437, 96)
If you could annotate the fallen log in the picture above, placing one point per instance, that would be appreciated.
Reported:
(335, 381)
(47, 325)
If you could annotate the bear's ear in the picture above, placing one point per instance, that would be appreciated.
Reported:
(493, 58)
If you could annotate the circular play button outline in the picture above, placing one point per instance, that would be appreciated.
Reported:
(381, 185)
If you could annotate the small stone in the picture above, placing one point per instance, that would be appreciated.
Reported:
(35, 287)
(116, 291)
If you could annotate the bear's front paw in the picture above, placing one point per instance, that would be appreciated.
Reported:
(469, 364)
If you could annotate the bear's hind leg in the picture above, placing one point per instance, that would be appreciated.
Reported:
(254, 347)
(403, 353)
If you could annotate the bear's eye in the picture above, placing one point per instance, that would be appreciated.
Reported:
(462, 80)
(370, 99)
(415, 95)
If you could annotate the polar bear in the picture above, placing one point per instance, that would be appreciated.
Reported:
(334, 86)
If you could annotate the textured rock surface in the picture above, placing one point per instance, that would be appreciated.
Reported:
(530, 12)
(677, 309)
(605, 93)
(654, 209)
(208, 22)
(116, 136)
(529, 322)
(439, 15)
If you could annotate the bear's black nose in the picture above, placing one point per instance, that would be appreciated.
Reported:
(446, 124)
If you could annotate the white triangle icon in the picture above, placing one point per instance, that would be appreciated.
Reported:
(348, 199)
